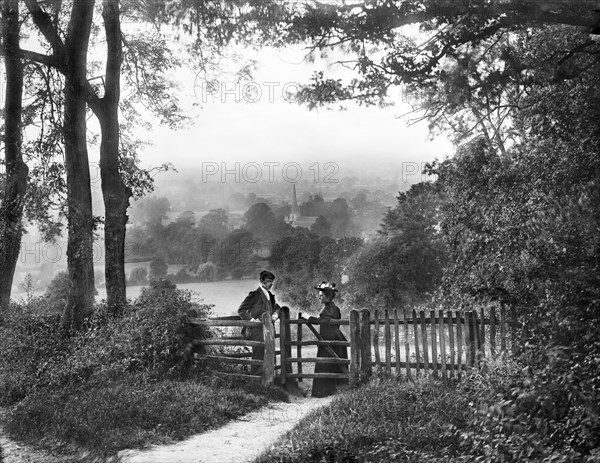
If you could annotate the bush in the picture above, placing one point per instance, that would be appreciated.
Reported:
(207, 272)
(138, 276)
(150, 336)
(182, 276)
(55, 297)
(30, 342)
(158, 268)
(547, 415)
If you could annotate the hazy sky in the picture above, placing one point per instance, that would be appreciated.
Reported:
(256, 123)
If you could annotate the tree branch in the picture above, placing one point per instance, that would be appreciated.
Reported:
(44, 23)
(47, 60)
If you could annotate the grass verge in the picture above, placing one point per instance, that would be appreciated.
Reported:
(384, 420)
(92, 422)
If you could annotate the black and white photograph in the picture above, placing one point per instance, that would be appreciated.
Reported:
(290, 231)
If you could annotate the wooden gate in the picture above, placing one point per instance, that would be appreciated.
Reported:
(401, 342)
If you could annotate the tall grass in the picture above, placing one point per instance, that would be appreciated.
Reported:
(384, 420)
(132, 412)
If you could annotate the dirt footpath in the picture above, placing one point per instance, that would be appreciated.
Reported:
(240, 441)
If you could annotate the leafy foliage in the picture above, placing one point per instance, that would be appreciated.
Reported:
(150, 337)
(404, 264)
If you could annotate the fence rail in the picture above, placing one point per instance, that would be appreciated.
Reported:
(402, 342)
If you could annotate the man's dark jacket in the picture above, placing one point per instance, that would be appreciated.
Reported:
(253, 306)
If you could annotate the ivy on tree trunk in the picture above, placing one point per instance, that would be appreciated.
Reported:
(11, 207)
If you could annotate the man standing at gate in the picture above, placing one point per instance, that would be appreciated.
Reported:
(252, 308)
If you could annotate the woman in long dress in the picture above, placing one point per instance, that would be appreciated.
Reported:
(326, 386)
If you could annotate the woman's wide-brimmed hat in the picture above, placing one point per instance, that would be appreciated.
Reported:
(326, 286)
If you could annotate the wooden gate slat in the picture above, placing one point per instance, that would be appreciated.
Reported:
(416, 333)
(459, 341)
(451, 342)
(434, 356)
(493, 352)
(365, 343)
(442, 343)
(376, 338)
(387, 333)
(397, 341)
(424, 342)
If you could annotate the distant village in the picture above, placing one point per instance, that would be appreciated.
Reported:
(181, 197)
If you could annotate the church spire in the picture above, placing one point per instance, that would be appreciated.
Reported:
(294, 200)
(295, 214)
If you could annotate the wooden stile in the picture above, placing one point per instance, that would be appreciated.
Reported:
(376, 338)
(387, 333)
(452, 371)
(442, 344)
(406, 344)
(416, 333)
(354, 347)
(365, 343)
(397, 341)
(434, 356)
(424, 343)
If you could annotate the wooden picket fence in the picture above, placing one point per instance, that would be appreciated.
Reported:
(400, 342)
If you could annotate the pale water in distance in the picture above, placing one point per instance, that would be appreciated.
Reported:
(225, 295)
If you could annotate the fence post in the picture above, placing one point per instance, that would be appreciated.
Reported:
(387, 333)
(397, 340)
(376, 338)
(451, 343)
(283, 342)
(424, 343)
(365, 343)
(441, 326)
(269, 357)
(502, 330)
(459, 343)
(513, 330)
(415, 324)
(299, 347)
(354, 347)
(406, 344)
(493, 352)
(482, 337)
(471, 336)
(434, 340)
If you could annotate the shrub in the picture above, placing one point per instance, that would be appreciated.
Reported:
(30, 341)
(208, 272)
(158, 268)
(546, 415)
(55, 297)
(182, 276)
(138, 276)
(150, 336)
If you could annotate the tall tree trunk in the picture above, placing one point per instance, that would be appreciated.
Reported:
(79, 197)
(11, 209)
(114, 191)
